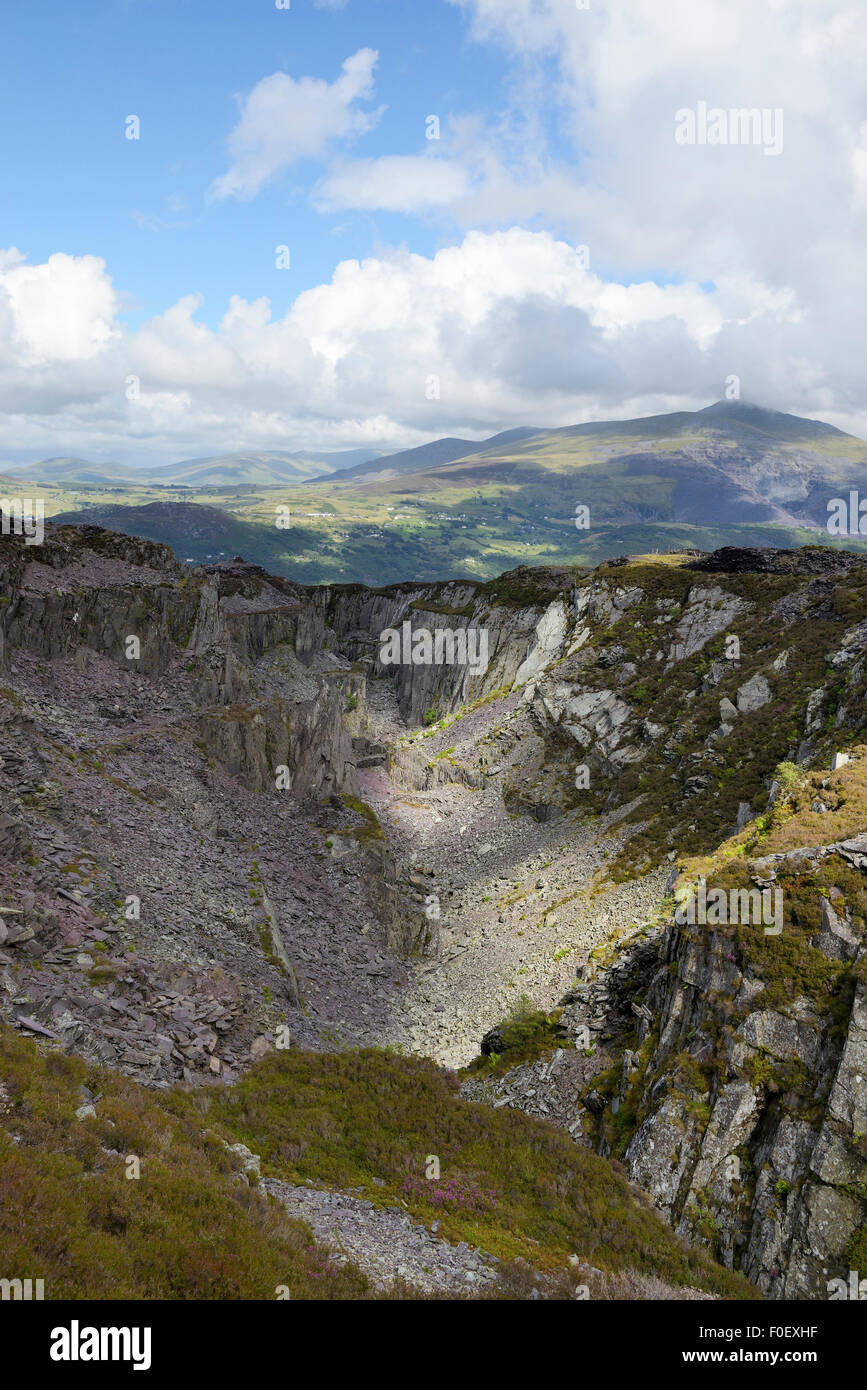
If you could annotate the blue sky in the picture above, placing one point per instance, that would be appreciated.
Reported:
(72, 179)
(560, 254)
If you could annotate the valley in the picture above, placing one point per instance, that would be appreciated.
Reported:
(252, 858)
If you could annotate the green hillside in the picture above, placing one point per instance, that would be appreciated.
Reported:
(732, 474)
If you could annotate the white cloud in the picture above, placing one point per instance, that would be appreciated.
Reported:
(392, 183)
(285, 119)
(761, 259)
(514, 327)
(60, 311)
(616, 75)
(765, 261)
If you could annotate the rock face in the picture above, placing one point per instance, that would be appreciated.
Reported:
(751, 1125)
(351, 619)
(215, 717)
(169, 800)
(736, 1101)
(731, 559)
(755, 693)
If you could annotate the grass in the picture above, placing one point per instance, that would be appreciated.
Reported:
(737, 768)
(793, 823)
(435, 526)
(787, 963)
(370, 1119)
(370, 829)
(187, 1229)
(355, 1117)
(526, 1033)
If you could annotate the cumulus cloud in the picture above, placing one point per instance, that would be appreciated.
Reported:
(61, 311)
(285, 119)
(617, 75)
(513, 325)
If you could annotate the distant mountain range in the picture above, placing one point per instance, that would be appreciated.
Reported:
(732, 474)
(59, 470)
(219, 470)
(425, 456)
(734, 462)
(259, 468)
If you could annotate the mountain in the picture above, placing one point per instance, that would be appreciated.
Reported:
(195, 531)
(731, 474)
(223, 470)
(736, 415)
(213, 471)
(78, 470)
(732, 463)
(425, 456)
(346, 458)
(774, 423)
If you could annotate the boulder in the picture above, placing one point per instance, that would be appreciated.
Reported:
(754, 694)
(492, 1042)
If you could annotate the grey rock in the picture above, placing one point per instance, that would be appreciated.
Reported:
(755, 693)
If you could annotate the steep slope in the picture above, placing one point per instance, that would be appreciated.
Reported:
(190, 884)
(724, 1064)
(195, 531)
(211, 1218)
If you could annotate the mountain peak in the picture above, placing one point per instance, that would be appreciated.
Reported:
(761, 417)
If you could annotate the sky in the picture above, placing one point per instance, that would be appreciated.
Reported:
(376, 222)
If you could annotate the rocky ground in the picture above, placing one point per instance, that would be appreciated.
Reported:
(386, 1243)
(195, 850)
(164, 916)
(519, 903)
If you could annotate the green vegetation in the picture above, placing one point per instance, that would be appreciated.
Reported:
(526, 1033)
(370, 829)
(353, 1117)
(188, 1228)
(737, 767)
(448, 610)
(474, 518)
(775, 1076)
(788, 964)
(793, 823)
